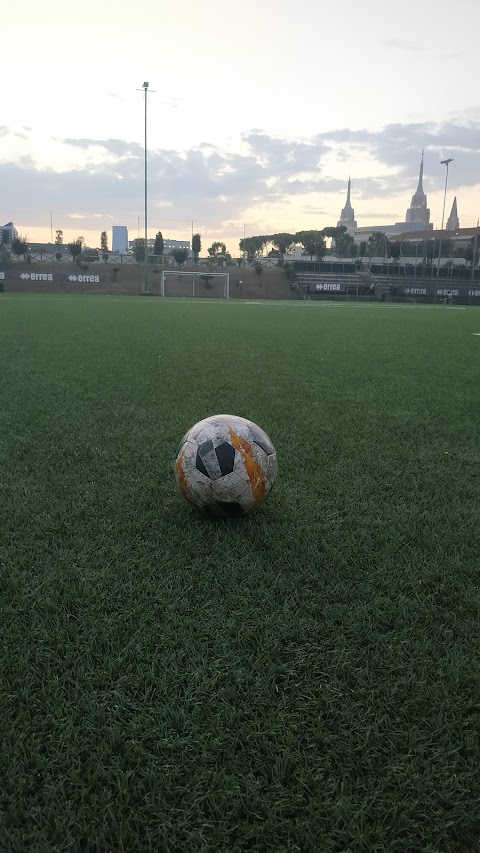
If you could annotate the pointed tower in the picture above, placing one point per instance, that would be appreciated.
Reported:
(453, 221)
(347, 216)
(418, 211)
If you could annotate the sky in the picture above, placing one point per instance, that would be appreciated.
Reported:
(257, 113)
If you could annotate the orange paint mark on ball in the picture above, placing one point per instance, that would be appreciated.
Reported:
(182, 480)
(253, 469)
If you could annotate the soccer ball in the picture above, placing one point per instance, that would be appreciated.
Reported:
(225, 465)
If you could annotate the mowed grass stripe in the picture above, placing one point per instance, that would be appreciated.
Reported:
(306, 678)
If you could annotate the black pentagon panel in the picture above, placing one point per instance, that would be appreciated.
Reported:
(200, 466)
(202, 451)
(261, 438)
(230, 508)
(206, 447)
(225, 454)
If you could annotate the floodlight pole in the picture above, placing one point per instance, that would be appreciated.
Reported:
(145, 251)
(145, 257)
(443, 163)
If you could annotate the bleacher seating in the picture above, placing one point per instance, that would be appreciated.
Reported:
(317, 285)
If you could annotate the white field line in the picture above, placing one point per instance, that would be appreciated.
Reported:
(11, 297)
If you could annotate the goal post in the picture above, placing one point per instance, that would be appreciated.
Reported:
(204, 285)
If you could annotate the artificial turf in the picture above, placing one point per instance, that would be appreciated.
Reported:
(304, 679)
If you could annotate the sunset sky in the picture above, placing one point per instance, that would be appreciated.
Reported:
(258, 113)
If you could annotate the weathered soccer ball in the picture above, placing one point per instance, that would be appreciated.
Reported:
(225, 465)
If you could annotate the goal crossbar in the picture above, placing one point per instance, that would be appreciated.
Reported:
(197, 275)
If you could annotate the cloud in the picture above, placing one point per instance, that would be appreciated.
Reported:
(402, 44)
(213, 185)
(116, 147)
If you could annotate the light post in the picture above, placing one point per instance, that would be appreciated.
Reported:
(443, 163)
(145, 252)
(145, 256)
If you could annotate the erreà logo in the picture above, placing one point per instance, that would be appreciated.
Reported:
(36, 276)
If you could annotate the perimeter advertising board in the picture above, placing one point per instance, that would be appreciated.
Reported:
(53, 277)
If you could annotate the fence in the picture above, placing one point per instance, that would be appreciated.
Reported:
(397, 271)
(367, 287)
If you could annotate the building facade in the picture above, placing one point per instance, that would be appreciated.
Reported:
(169, 246)
(8, 234)
(120, 239)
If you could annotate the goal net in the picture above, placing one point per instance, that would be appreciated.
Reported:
(197, 284)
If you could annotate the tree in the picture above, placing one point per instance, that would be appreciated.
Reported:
(5, 237)
(321, 249)
(217, 249)
(159, 246)
(343, 243)
(75, 248)
(376, 245)
(428, 251)
(19, 246)
(180, 256)
(253, 246)
(58, 243)
(446, 246)
(312, 242)
(104, 245)
(282, 241)
(362, 250)
(196, 247)
(353, 250)
(472, 252)
(393, 249)
(332, 232)
(4, 257)
(139, 250)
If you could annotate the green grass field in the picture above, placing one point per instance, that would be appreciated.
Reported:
(305, 679)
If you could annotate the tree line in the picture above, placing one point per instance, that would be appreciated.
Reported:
(252, 248)
(377, 245)
(313, 242)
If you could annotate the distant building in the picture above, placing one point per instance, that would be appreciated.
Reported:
(453, 222)
(417, 217)
(120, 239)
(347, 216)
(48, 248)
(169, 246)
(418, 212)
(365, 231)
(8, 234)
(459, 235)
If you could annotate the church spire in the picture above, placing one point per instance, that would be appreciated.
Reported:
(453, 222)
(418, 210)
(347, 216)
(420, 176)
